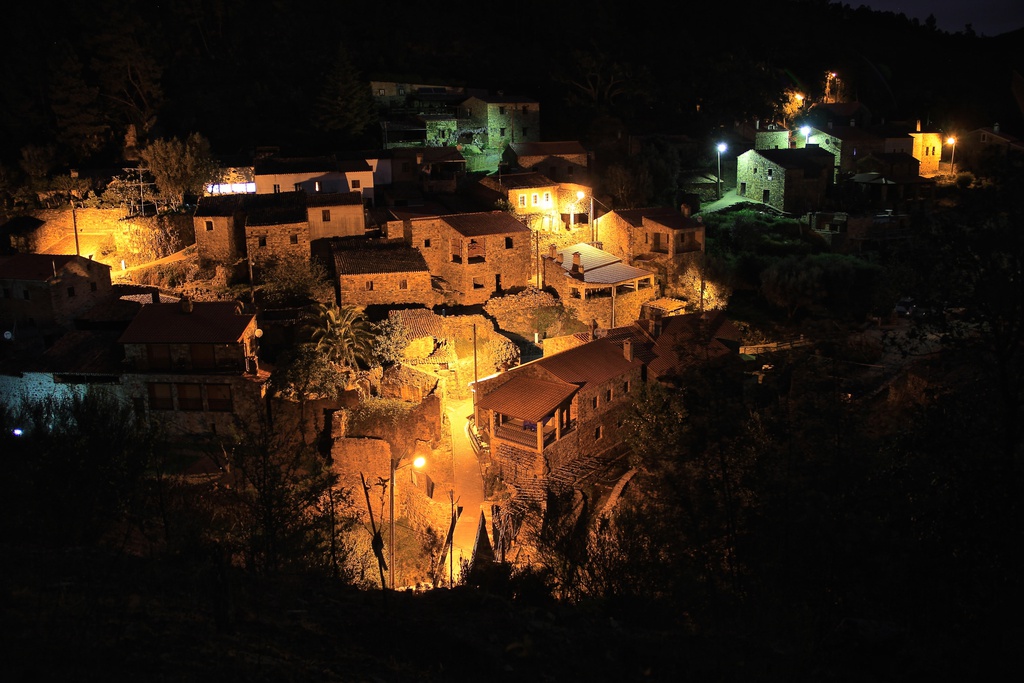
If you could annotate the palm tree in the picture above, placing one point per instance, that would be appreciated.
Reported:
(342, 334)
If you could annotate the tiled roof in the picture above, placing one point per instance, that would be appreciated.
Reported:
(420, 322)
(333, 198)
(666, 216)
(38, 267)
(281, 165)
(527, 398)
(517, 181)
(491, 223)
(393, 259)
(594, 362)
(218, 205)
(547, 148)
(209, 322)
(279, 208)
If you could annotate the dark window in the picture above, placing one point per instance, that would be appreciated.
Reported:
(608, 396)
(218, 397)
(502, 133)
(202, 356)
(294, 239)
(92, 287)
(526, 131)
(593, 402)
(160, 396)
(71, 291)
(261, 241)
(598, 433)
(625, 387)
(325, 215)
(403, 284)
(298, 187)
(426, 244)
(478, 283)
(190, 397)
(569, 170)
(355, 184)
(277, 188)
(209, 226)
(159, 356)
(508, 242)
(369, 285)
(501, 112)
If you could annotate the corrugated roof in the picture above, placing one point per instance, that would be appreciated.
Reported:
(600, 267)
(527, 398)
(490, 223)
(209, 322)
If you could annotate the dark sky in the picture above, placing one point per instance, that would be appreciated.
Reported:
(987, 17)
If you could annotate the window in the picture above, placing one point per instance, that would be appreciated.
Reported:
(325, 215)
(568, 171)
(406, 167)
(625, 387)
(535, 198)
(593, 403)
(218, 397)
(277, 188)
(369, 285)
(608, 396)
(508, 242)
(526, 110)
(316, 186)
(502, 132)
(209, 226)
(770, 173)
(380, 92)
(355, 184)
(298, 187)
(522, 200)
(478, 283)
(158, 356)
(426, 244)
(501, 112)
(202, 356)
(403, 284)
(598, 433)
(293, 239)
(401, 90)
(755, 170)
(526, 131)
(71, 292)
(547, 199)
(190, 397)
(160, 396)
(261, 241)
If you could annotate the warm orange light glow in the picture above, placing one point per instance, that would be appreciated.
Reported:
(419, 462)
(950, 141)
(580, 194)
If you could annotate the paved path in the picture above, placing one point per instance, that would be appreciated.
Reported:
(469, 483)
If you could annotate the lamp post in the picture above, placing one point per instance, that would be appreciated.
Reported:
(417, 463)
(806, 130)
(952, 155)
(721, 148)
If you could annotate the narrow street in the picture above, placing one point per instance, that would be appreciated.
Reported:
(469, 484)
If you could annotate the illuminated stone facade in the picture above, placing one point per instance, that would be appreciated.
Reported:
(790, 180)
(503, 120)
(44, 291)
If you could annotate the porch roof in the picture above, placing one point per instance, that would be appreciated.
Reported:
(527, 398)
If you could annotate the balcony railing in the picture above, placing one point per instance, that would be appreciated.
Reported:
(525, 433)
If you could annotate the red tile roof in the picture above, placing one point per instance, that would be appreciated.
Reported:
(209, 322)
(527, 398)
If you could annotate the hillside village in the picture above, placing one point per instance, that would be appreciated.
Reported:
(473, 355)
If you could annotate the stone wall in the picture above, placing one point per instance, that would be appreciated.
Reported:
(364, 289)
(224, 243)
(279, 241)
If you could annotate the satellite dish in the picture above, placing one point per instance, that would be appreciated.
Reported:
(8, 335)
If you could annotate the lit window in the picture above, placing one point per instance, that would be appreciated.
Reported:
(325, 215)
(316, 186)
(547, 199)
(522, 200)
(209, 226)
(380, 92)
(535, 198)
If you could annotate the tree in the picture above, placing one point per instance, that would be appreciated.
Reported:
(390, 339)
(180, 167)
(341, 333)
(346, 105)
(294, 280)
(792, 283)
(81, 126)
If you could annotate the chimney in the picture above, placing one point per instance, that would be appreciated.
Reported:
(685, 208)
(918, 126)
(577, 263)
(553, 251)
(559, 257)
(627, 350)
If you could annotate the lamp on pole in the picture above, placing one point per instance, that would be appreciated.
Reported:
(951, 141)
(721, 148)
(806, 130)
(417, 463)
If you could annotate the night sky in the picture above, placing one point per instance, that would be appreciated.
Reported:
(987, 17)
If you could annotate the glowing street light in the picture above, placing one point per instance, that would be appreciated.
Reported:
(418, 463)
(580, 194)
(951, 141)
(806, 130)
(721, 148)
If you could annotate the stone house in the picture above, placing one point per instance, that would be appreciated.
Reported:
(771, 136)
(429, 169)
(276, 226)
(533, 197)
(790, 180)
(499, 120)
(892, 180)
(388, 274)
(473, 255)
(193, 366)
(658, 239)
(596, 285)
(990, 140)
(566, 161)
(49, 291)
(846, 144)
(335, 214)
(313, 174)
(220, 228)
(541, 416)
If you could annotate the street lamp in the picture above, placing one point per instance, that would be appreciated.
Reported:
(952, 155)
(806, 130)
(418, 463)
(721, 148)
